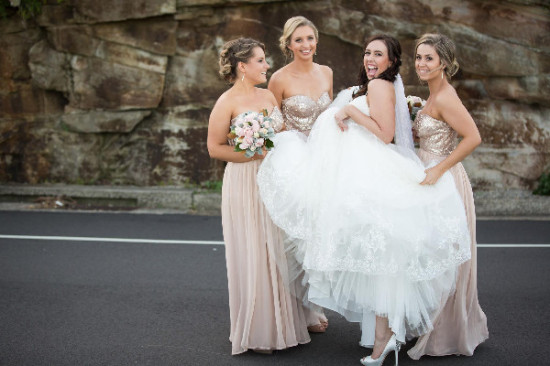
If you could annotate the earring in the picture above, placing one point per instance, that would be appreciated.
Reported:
(242, 79)
(441, 75)
(315, 53)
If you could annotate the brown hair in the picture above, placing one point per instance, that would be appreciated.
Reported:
(394, 54)
(289, 28)
(445, 49)
(235, 51)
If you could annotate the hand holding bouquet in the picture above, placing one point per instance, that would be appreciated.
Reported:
(252, 132)
(415, 104)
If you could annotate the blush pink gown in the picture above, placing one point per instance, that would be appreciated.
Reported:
(264, 314)
(299, 114)
(460, 325)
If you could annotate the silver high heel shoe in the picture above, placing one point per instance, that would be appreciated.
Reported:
(392, 345)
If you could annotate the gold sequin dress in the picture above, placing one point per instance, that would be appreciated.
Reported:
(261, 307)
(461, 325)
(301, 111)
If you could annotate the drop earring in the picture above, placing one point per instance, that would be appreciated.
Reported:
(242, 79)
(441, 75)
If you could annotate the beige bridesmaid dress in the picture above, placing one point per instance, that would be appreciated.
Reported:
(299, 114)
(460, 325)
(264, 314)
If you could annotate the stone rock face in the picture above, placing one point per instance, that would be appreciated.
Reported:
(119, 92)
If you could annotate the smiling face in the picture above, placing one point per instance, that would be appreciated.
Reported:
(303, 43)
(376, 59)
(427, 62)
(256, 67)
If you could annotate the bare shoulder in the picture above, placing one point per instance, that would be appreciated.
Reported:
(325, 70)
(225, 99)
(446, 98)
(380, 85)
(267, 94)
(280, 74)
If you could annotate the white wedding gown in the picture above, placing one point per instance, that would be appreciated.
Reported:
(369, 237)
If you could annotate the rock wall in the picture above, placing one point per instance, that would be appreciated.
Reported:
(119, 92)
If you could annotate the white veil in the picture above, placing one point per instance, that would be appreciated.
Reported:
(403, 127)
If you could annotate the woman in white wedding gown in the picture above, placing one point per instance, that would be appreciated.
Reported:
(371, 240)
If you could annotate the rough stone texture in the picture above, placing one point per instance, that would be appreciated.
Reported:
(119, 92)
(94, 121)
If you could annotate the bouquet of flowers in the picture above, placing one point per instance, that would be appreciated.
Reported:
(252, 132)
(415, 104)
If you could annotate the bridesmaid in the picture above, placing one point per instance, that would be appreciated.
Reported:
(260, 305)
(461, 324)
(303, 90)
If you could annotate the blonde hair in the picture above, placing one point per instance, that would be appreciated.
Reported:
(235, 51)
(289, 28)
(445, 49)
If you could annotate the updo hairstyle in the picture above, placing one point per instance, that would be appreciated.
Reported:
(235, 51)
(444, 47)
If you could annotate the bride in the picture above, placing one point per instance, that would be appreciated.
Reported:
(375, 245)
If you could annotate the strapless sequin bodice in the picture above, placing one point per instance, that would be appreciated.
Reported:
(300, 111)
(435, 136)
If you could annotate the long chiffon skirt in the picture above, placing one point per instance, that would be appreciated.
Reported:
(261, 307)
(461, 324)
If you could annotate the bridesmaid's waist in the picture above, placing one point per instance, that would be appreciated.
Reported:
(436, 150)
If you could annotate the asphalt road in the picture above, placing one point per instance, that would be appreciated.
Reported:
(68, 301)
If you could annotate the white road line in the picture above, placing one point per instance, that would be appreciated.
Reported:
(111, 240)
(513, 245)
(207, 242)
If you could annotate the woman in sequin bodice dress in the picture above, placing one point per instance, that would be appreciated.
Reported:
(460, 325)
(303, 90)
(261, 306)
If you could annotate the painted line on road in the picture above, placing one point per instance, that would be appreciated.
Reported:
(207, 242)
(111, 240)
(513, 245)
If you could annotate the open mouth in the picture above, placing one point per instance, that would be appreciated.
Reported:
(371, 71)
(306, 52)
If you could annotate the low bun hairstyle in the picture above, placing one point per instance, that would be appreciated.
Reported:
(390, 74)
(445, 49)
(289, 28)
(235, 51)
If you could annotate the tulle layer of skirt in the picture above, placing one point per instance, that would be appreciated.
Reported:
(368, 236)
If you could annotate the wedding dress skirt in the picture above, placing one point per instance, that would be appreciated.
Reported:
(369, 238)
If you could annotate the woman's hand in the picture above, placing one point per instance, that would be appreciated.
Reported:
(340, 118)
(432, 176)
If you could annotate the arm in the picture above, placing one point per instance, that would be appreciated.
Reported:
(218, 128)
(452, 111)
(330, 77)
(275, 85)
(381, 122)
